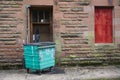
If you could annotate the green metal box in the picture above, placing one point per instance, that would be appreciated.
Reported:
(39, 56)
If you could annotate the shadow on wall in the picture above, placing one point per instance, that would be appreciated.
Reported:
(119, 2)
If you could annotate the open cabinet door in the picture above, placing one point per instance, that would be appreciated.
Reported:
(103, 25)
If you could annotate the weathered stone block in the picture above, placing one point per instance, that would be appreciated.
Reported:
(71, 34)
(66, 0)
(77, 9)
(4, 15)
(83, 3)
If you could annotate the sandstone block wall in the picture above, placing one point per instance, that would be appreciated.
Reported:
(12, 31)
(73, 30)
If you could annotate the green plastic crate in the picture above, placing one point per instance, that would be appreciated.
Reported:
(39, 56)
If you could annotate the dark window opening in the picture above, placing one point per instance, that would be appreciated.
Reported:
(41, 16)
(47, 16)
(34, 15)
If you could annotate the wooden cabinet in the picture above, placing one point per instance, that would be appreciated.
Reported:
(41, 24)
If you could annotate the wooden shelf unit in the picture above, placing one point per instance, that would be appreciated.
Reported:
(41, 20)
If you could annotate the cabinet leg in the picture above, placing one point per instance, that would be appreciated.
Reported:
(28, 70)
(51, 69)
(39, 72)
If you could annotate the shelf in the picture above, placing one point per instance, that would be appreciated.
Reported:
(45, 23)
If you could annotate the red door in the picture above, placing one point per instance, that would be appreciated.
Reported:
(103, 25)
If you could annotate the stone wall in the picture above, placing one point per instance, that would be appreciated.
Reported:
(12, 32)
(72, 25)
(74, 28)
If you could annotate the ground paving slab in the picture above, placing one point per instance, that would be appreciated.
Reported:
(63, 73)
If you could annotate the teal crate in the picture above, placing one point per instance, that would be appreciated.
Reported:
(39, 56)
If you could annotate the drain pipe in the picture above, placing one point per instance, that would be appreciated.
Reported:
(27, 12)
